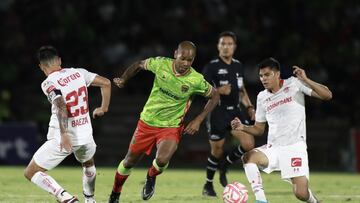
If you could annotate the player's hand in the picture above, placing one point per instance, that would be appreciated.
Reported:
(251, 112)
(119, 82)
(98, 112)
(192, 127)
(299, 73)
(225, 89)
(65, 143)
(236, 124)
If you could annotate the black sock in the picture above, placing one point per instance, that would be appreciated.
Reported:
(212, 165)
(233, 156)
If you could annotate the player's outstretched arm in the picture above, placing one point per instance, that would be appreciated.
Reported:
(132, 70)
(256, 130)
(319, 91)
(245, 100)
(105, 88)
(62, 116)
(194, 125)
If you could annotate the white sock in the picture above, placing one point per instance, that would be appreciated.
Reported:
(253, 175)
(47, 183)
(312, 198)
(89, 176)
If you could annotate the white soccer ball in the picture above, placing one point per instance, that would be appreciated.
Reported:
(235, 192)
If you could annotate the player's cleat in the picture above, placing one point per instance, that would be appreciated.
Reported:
(209, 190)
(65, 197)
(114, 197)
(258, 201)
(89, 198)
(149, 187)
(222, 175)
(71, 200)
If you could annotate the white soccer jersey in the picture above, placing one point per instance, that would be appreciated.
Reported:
(284, 111)
(73, 85)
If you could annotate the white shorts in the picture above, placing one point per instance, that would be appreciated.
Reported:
(48, 156)
(291, 161)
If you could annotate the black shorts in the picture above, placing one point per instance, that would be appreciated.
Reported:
(219, 121)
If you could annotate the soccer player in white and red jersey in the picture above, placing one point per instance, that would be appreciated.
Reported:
(70, 129)
(282, 106)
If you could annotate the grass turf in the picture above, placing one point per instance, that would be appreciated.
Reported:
(175, 186)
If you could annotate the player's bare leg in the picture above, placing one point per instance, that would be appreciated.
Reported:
(122, 173)
(89, 177)
(213, 162)
(252, 160)
(165, 150)
(247, 143)
(302, 191)
(37, 175)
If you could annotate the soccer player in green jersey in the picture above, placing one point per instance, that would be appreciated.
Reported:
(161, 121)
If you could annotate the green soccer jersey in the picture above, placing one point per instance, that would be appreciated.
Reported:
(171, 93)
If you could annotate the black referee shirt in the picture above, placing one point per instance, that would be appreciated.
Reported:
(218, 73)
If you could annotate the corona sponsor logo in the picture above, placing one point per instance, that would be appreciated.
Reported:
(64, 81)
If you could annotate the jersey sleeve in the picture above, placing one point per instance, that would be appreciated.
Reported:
(240, 75)
(260, 114)
(50, 90)
(154, 63)
(89, 76)
(302, 87)
(203, 87)
(207, 73)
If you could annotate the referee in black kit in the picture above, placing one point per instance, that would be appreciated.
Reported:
(227, 75)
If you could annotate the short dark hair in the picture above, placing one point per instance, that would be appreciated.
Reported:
(47, 53)
(269, 62)
(228, 34)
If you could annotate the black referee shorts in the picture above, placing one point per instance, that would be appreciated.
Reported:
(219, 121)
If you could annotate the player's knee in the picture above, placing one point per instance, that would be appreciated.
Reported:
(248, 157)
(162, 160)
(88, 163)
(28, 173)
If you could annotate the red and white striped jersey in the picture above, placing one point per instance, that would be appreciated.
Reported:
(284, 111)
(72, 83)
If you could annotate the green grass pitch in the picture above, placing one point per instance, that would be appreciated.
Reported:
(175, 186)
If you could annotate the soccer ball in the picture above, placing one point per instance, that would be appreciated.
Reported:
(235, 192)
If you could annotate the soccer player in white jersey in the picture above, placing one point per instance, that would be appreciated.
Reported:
(70, 128)
(282, 106)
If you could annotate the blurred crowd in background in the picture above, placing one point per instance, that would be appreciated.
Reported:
(106, 36)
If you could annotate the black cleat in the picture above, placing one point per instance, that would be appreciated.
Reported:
(149, 188)
(114, 197)
(209, 190)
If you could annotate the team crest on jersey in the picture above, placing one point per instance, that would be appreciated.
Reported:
(184, 88)
(296, 162)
